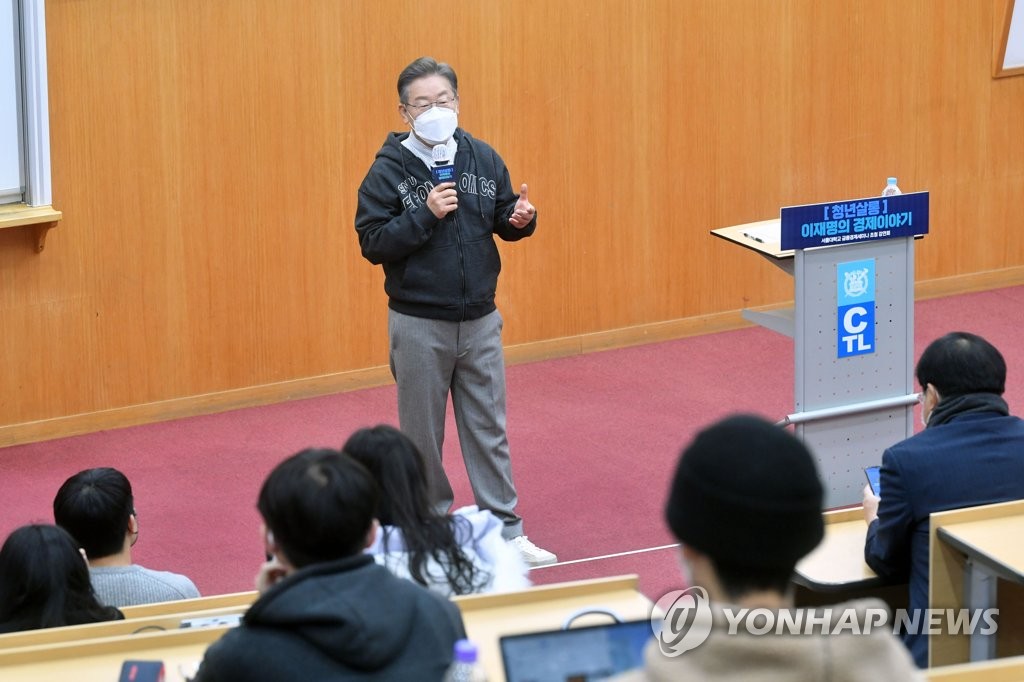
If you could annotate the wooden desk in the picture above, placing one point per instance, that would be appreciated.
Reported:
(487, 617)
(113, 628)
(837, 564)
(1002, 670)
(142, 618)
(836, 572)
(99, 660)
(184, 606)
(545, 607)
(989, 545)
(970, 551)
(763, 237)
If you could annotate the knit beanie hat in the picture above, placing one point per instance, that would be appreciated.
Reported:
(747, 493)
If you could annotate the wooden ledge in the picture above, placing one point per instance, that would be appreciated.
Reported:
(40, 218)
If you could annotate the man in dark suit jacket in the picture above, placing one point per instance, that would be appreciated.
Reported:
(970, 453)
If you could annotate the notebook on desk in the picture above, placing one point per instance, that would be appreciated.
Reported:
(581, 654)
(766, 233)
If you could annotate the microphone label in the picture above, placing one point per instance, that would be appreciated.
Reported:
(443, 174)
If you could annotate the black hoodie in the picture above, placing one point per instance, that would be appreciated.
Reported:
(345, 620)
(440, 269)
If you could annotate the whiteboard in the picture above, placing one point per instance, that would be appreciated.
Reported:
(1013, 56)
(12, 167)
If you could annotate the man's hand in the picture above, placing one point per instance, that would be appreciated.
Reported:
(443, 199)
(870, 504)
(271, 572)
(524, 211)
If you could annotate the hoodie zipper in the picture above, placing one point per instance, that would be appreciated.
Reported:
(458, 241)
(462, 264)
(458, 231)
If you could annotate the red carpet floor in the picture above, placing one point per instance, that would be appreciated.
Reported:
(594, 440)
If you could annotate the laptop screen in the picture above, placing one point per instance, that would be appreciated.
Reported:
(577, 655)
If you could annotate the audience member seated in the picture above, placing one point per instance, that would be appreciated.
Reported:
(459, 554)
(971, 452)
(746, 506)
(326, 611)
(96, 506)
(44, 582)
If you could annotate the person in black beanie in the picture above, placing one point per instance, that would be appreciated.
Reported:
(746, 506)
(746, 502)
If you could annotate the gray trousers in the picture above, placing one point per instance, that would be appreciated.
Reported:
(432, 358)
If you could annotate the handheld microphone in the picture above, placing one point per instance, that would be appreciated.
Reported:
(443, 169)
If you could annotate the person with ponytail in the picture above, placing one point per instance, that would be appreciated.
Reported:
(461, 553)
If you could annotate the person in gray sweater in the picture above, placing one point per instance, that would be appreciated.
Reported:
(97, 508)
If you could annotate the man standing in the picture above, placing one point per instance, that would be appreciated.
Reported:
(970, 453)
(428, 212)
(97, 508)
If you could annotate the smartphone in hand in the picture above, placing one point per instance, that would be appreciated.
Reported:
(873, 479)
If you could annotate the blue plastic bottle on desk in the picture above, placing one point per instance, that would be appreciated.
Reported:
(466, 666)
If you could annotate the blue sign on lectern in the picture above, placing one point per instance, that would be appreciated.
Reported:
(855, 302)
(857, 220)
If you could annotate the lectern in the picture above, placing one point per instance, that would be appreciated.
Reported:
(852, 325)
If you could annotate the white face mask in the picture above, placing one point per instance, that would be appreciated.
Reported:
(436, 125)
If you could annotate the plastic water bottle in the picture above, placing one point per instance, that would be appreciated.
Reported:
(465, 667)
(890, 188)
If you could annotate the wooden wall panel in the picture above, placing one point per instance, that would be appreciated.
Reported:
(206, 157)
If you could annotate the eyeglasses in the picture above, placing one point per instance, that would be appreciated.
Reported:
(446, 102)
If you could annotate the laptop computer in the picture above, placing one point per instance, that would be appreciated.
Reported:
(583, 654)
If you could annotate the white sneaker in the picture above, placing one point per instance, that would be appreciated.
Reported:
(531, 553)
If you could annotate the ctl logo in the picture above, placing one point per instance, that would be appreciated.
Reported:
(686, 622)
(856, 307)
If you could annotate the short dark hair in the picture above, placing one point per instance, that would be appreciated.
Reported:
(319, 504)
(44, 582)
(425, 66)
(960, 363)
(94, 506)
(739, 580)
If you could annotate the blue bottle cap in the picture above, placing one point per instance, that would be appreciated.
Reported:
(465, 651)
(892, 181)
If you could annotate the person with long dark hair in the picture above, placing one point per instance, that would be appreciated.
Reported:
(44, 582)
(461, 553)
